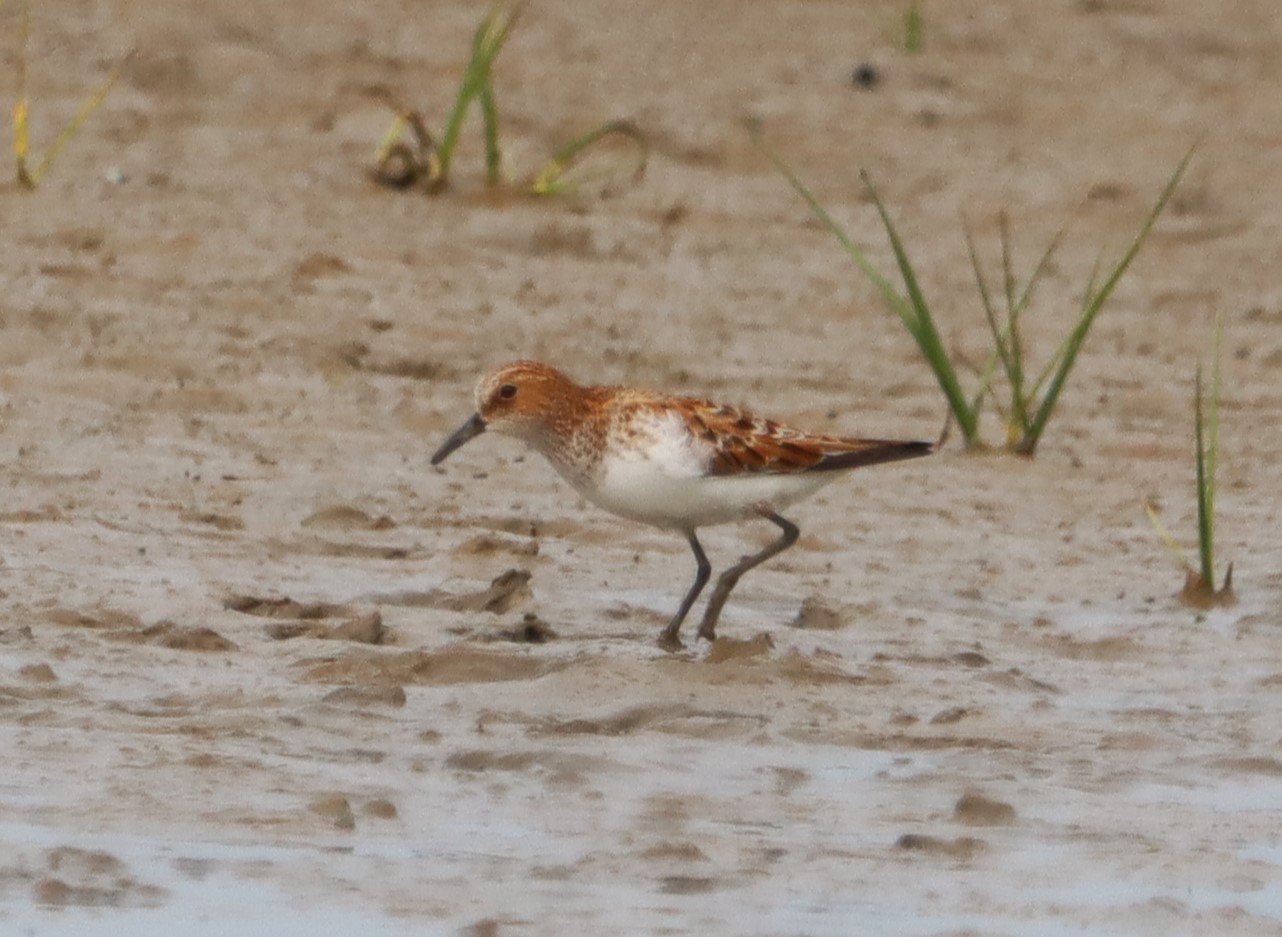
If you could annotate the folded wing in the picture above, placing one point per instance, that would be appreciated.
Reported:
(742, 442)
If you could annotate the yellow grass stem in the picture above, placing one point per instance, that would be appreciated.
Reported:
(1165, 534)
(552, 178)
(29, 177)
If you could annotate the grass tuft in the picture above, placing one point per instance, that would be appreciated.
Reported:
(1199, 586)
(920, 322)
(1061, 364)
(401, 164)
(409, 153)
(1008, 343)
(1199, 589)
(1031, 403)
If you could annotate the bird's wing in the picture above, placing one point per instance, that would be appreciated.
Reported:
(741, 442)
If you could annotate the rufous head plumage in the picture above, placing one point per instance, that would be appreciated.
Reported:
(519, 399)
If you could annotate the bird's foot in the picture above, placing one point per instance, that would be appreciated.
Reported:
(670, 641)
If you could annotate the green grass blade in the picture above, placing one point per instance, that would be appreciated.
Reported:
(986, 375)
(474, 77)
(1001, 350)
(1043, 263)
(918, 309)
(884, 286)
(1205, 527)
(1017, 425)
(1020, 392)
(1046, 372)
(1094, 302)
(1026, 297)
(1207, 429)
(985, 296)
(469, 86)
(1001, 337)
(490, 119)
(1213, 426)
(487, 43)
(915, 316)
(914, 27)
(923, 328)
(1008, 265)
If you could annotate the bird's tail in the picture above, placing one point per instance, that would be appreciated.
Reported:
(874, 452)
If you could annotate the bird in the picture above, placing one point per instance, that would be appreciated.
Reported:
(674, 462)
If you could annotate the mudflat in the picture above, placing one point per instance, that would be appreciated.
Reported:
(264, 669)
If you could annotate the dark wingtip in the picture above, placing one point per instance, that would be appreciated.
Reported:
(878, 451)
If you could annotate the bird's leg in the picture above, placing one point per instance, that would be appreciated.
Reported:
(670, 638)
(731, 576)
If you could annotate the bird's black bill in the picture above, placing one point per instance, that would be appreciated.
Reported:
(469, 430)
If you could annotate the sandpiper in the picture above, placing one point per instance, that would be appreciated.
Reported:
(678, 463)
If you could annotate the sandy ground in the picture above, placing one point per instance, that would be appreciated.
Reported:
(254, 675)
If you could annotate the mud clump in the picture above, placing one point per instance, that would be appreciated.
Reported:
(180, 637)
(817, 615)
(334, 808)
(975, 809)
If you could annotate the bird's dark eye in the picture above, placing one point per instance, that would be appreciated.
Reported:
(507, 391)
